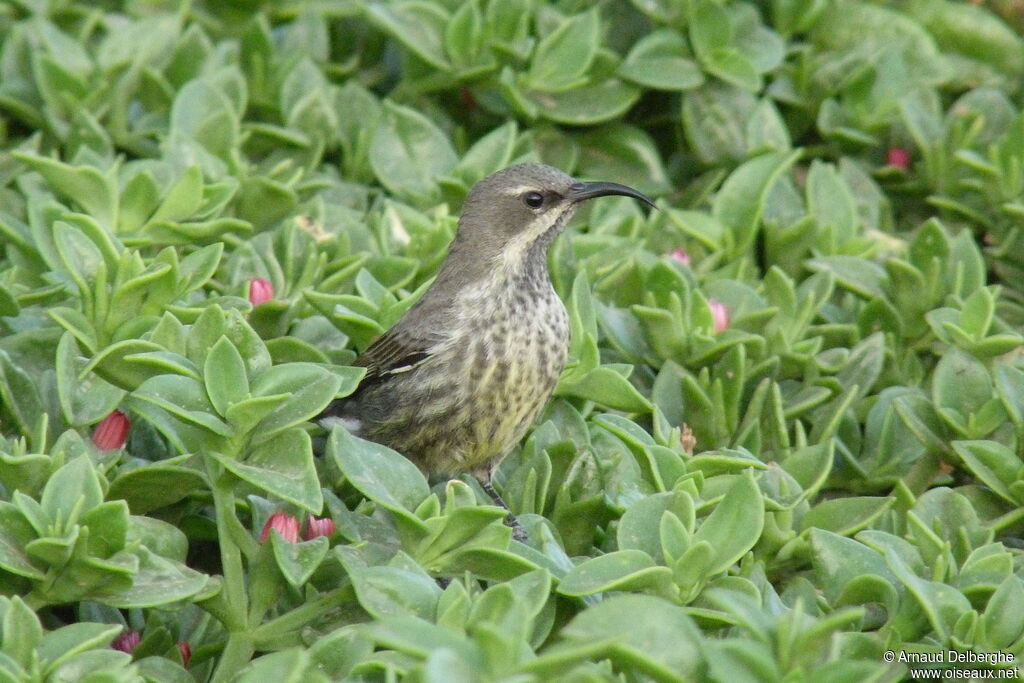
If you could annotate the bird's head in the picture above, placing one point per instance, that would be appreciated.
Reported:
(514, 214)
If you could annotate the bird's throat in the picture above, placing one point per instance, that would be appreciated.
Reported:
(525, 256)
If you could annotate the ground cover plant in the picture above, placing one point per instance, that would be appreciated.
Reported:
(791, 434)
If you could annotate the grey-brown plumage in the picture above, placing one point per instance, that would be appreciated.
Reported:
(455, 383)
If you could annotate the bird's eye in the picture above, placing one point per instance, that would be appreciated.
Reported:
(534, 200)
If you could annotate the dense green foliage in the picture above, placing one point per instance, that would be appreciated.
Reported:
(838, 473)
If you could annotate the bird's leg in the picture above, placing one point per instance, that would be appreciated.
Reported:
(518, 532)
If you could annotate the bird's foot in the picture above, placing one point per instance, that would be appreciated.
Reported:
(518, 532)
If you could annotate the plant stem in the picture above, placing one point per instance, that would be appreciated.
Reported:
(237, 653)
(303, 614)
(230, 556)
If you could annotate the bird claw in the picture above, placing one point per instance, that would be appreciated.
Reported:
(518, 532)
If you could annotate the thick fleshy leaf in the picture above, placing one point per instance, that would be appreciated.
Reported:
(64, 643)
(740, 202)
(113, 364)
(185, 399)
(660, 61)
(408, 153)
(381, 474)
(298, 561)
(150, 488)
(15, 533)
(159, 581)
(664, 643)
(310, 388)
(282, 466)
(391, 591)
(75, 487)
(224, 376)
(623, 570)
(735, 524)
(585, 105)
(562, 58)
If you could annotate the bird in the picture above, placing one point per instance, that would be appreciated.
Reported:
(458, 380)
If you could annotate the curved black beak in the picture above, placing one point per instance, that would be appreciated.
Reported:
(579, 192)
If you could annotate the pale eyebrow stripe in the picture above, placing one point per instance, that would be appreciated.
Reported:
(522, 188)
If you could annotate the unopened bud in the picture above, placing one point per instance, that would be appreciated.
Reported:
(285, 524)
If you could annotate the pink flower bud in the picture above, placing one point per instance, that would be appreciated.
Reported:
(127, 641)
(112, 431)
(318, 526)
(720, 314)
(285, 524)
(186, 653)
(260, 290)
(682, 256)
(898, 157)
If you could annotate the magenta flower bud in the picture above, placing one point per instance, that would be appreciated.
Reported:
(898, 157)
(127, 641)
(186, 653)
(318, 526)
(682, 256)
(285, 524)
(112, 431)
(720, 314)
(260, 290)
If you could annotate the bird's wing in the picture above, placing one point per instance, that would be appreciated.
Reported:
(408, 345)
(396, 351)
